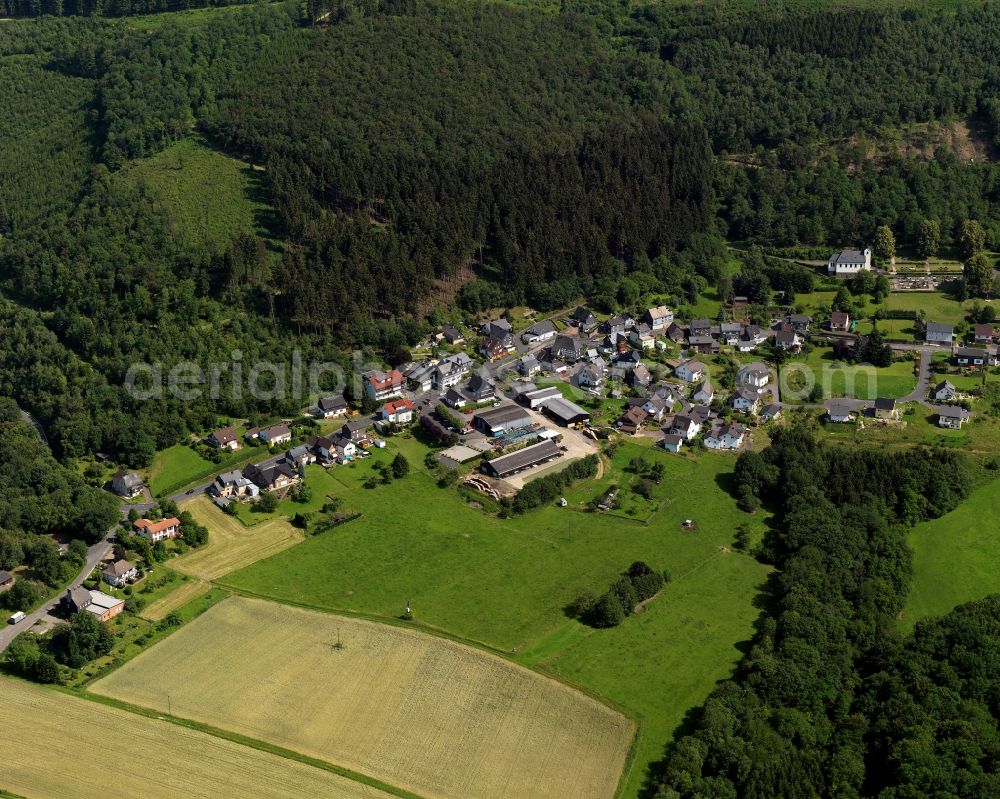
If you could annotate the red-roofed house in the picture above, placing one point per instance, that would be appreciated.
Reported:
(157, 531)
(384, 385)
(399, 411)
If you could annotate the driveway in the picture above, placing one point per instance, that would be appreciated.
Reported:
(95, 555)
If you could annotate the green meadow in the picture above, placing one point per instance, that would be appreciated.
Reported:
(955, 557)
(505, 583)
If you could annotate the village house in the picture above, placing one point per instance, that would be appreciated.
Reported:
(616, 325)
(642, 337)
(588, 377)
(686, 427)
(659, 318)
(937, 333)
(570, 348)
(944, 391)
(480, 389)
(970, 357)
(234, 485)
(840, 412)
(225, 438)
(301, 456)
(704, 393)
(952, 417)
(381, 386)
(584, 319)
(75, 600)
(6, 580)
(330, 407)
(628, 360)
(787, 340)
(984, 334)
(451, 371)
(540, 331)
(751, 338)
(730, 333)
(126, 484)
(675, 333)
(528, 366)
(700, 327)
(271, 478)
(356, 430)
(745, 399)
(840, 322)
(120, 573)
(704, 345)
(691, 371)
(277, 434)
(885, 408)
(335, 449)
(770, 412)
(656, 405)
(398, 411)
(701, 413)
(799, 322)
(103, 606)
(454, 398)
(755, 374)
(632, 420)
(159, 530)
(452, 335)
(729, 437)
(849, 262)
(640, 378)
(672, 442)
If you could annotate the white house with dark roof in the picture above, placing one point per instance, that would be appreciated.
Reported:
(540, 331)
(704, 392)
(728, 437)
(746, 399)
(126, 484)
(329, 407)
(660, 317)
(691, 371)
(938, 333)
(944, 391)
(840, 412)
(755, 374)
(672, 442)
(849, 262)
(687, 427)
(952, 417)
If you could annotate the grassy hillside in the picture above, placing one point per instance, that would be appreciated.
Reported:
(207, 196)
(955, 557)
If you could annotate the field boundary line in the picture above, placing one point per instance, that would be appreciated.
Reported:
(245, 740)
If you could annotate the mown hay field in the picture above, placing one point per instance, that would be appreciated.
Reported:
(231, 544)
(60, 746)
(418, 712)
(175, 600)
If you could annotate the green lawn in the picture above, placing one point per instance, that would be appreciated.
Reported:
(179, 466)
(506, 583)
(896, 380)
(955, 557)
(936, 305)
(320, 482)
(208, 196)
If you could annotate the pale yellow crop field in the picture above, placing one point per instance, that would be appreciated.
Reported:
(175, 600)
(418, 712)
(231, 545)
(59, 746)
